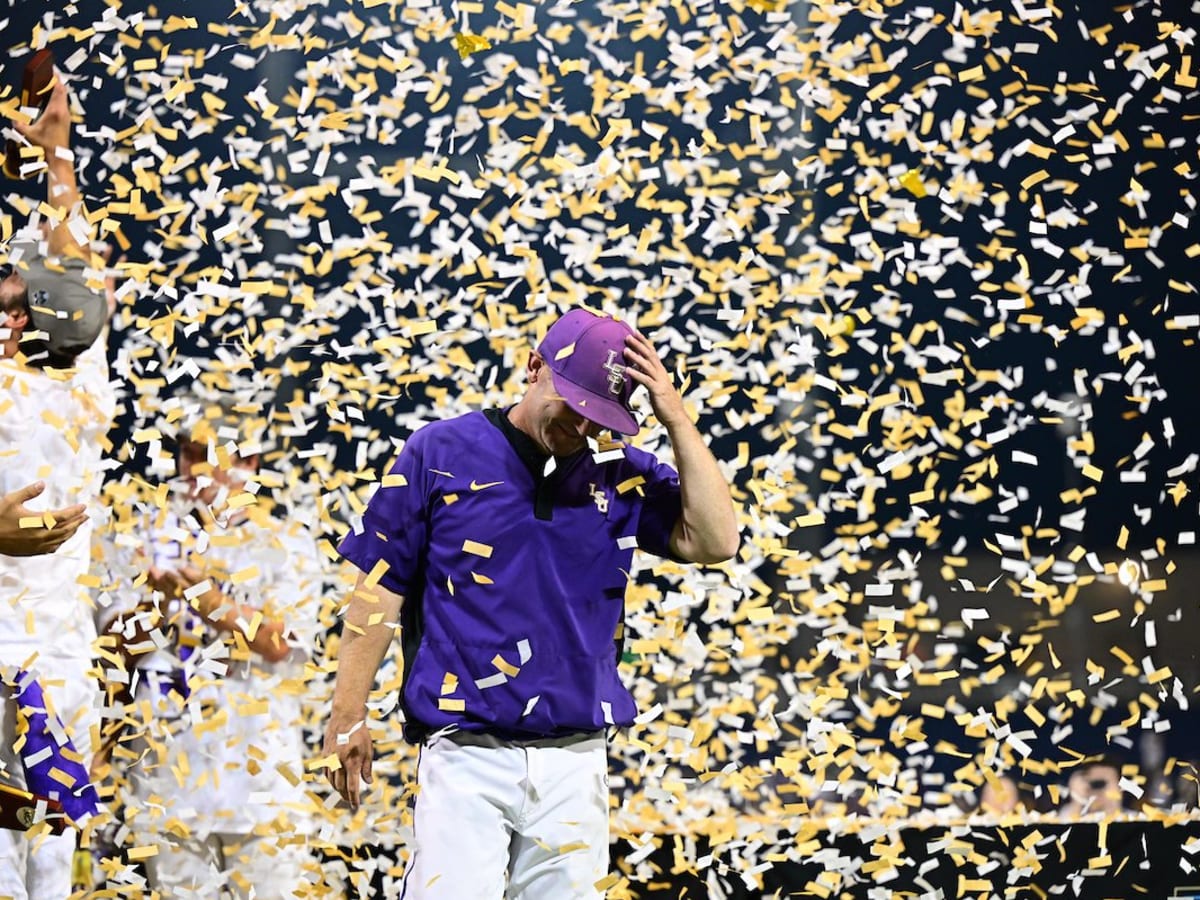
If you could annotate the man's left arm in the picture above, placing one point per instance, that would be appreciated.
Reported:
(52, 132)
(706, 531)
(265, 634)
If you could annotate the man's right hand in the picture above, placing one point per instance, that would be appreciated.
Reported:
(18, 541)
(351, 743)
(52, 129)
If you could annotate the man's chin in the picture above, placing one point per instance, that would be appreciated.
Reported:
(560, 442)
(566, 448)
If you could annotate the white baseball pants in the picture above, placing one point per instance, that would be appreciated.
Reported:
(494, 819)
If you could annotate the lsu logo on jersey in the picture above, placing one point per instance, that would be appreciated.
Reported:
(599, 498)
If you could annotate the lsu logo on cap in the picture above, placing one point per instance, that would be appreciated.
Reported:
(616, 374)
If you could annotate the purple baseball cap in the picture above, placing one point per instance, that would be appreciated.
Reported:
(586, 353)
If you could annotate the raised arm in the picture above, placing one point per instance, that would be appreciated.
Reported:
(707, 528)
(367, 631)
(52, 132)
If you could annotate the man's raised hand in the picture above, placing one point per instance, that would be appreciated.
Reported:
(40, 539)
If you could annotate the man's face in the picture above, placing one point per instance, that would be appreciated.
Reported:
(557, 429)
(205, 482)
(14, 299)
(1097, 787)
(999, 796)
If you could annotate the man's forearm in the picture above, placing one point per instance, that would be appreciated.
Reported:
(367, 632)
(62, 193)
(265, 635)
(51, 131)
(707, 529)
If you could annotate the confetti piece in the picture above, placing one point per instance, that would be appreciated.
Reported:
(911, 182)
(467, 44)
(510, 670)
(478, 549)
(377, 572)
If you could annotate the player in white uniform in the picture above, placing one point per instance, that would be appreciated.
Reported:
(215, 781)
(53, 416)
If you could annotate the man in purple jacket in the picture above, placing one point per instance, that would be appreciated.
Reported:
(502, 543)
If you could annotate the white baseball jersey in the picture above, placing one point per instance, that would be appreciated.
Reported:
(51, 429)
(226, 753)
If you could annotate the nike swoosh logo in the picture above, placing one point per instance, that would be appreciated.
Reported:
(476, 486)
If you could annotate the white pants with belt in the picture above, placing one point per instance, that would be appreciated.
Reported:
(522, 821)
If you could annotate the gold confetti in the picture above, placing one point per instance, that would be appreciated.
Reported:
(912, 182)
(466, 44)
